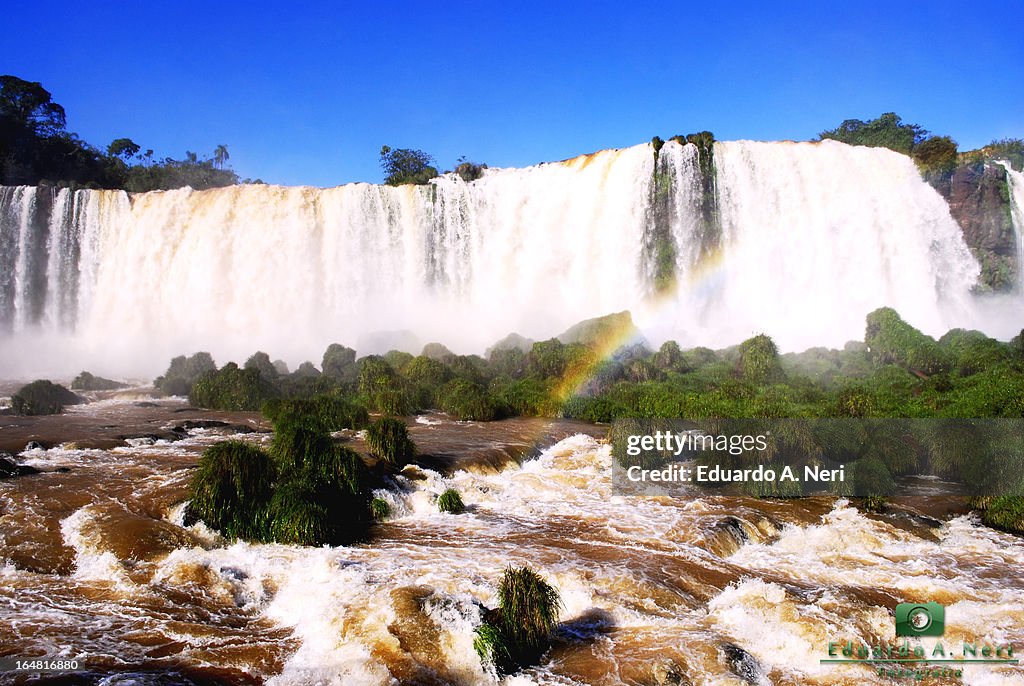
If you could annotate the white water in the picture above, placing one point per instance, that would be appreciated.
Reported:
(814, 237)
(631, 559)
(1015, 180)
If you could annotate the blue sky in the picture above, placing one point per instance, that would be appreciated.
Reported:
(308, 96)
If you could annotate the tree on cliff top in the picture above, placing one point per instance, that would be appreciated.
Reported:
(888, 131)
(402, 165)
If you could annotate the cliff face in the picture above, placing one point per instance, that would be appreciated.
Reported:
(979, 200)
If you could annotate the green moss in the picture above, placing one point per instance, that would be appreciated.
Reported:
(388, 439)
(451, 502)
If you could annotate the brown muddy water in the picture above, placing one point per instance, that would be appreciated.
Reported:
(96, 567)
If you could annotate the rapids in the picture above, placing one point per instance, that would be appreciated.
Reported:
(96, 566)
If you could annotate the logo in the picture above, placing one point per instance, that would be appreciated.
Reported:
(920, 619)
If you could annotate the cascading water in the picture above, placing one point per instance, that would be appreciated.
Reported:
(1015, 181)
(811, 238)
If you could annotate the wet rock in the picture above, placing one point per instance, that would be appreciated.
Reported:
(202, 424)
(145, 403)
(979, 201)
(743, 664)
(668, 673)
(88, 382)
(34, 445)
(9, 468)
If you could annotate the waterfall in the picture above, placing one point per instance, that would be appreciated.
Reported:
(811, 238)
(1015, 181)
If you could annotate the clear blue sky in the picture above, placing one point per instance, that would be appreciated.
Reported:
(308, 96)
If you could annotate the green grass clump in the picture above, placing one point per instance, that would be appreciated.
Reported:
(1005, 512)
(388, 439)
(231, 490)
(451, 502)
(492, 647)
(297, 516)
(329, 412)
(380, 509)
(519, 631)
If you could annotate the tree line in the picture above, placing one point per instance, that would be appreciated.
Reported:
(36, 148)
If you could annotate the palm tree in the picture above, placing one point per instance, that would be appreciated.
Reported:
(220, 155)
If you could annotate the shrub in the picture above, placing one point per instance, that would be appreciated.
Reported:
(298, 443)
(388, 439)
(1005, 512)
(183, 372)
(380, 509)
(427, 376)
(451, 502)
(972, 351)
(381, 387)
(936, 155)
(339, 363)
(891, 340)
(231, 490)
(759, 360)
(231, 388)
(467, 401)
(521, 627)
(297, 517)
(87, 382)
(470, 171)
(328, 412)
(261, 361)
(42, 397)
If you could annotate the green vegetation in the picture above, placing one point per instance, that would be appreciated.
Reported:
(935, 155)
(183, 372)
(517, 633)
(231, 490)
(451, 502)
(231, 388)
(380, 509)
(305, 491)
(469, 171)
(42, 397)
(893, 341)
(87, 382)
(759, 360)
(402, 166)
(1009, 149)
(897, 372)
(388, 439)
(35, 148)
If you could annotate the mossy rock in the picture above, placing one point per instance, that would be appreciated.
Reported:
(42, 397)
